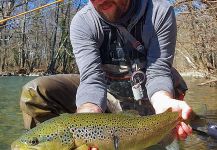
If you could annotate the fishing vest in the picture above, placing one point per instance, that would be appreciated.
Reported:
(118, 56)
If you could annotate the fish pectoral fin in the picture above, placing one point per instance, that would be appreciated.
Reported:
(82, 147)
(116, 142)
(169, 109)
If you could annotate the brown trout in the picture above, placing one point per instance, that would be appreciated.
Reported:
(105, 131)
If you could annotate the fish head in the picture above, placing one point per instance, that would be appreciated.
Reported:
(45, 136)
(40, 142)
(35, 144)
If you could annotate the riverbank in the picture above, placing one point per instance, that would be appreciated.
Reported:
(20, 74)
(211, 78)
(194, 73)
(24, 72)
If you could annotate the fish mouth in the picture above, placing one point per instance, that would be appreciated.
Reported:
(41, 146)
(18, 146)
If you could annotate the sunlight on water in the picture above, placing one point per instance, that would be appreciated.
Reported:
(203, 99)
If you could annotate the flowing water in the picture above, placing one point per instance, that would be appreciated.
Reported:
(203, 99)
(11, 123)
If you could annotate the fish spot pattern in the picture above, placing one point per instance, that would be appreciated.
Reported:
(97, 128)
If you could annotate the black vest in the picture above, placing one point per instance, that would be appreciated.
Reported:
(113, 49)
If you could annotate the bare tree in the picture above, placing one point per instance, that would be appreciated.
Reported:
(197, 40)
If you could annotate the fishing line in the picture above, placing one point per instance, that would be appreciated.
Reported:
(29, 11)
(17, 20)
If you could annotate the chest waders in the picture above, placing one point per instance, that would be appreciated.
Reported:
(121, 50)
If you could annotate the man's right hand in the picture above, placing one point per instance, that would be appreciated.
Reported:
(89, 108)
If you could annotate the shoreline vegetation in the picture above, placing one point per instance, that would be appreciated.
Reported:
(23, 72)
(39, 72)
(210, 79)
(8, 74)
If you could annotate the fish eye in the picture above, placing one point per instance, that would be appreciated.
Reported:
(33, 141)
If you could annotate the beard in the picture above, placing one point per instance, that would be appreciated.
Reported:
(112, 13)
(112, 17)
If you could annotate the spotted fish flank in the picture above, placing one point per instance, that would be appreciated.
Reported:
(105, 131)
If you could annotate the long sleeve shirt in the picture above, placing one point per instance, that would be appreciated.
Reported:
(159, 38)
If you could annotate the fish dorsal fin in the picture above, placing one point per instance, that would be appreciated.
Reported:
(65, 114)
(130, 112)
(169, 109)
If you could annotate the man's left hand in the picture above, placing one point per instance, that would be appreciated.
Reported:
(162, 101)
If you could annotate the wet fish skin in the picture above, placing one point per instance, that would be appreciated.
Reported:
(79, 131)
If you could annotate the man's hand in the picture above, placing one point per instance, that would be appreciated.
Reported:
(89, 108)
(162, 100)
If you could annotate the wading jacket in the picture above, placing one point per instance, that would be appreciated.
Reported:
(158, 36)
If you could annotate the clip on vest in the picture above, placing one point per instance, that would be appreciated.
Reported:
(137, 79)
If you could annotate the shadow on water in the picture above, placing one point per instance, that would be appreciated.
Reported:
(203, 100)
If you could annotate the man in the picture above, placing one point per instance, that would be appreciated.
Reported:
(112, 39)
(160, 47)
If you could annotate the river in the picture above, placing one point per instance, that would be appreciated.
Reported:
(203, 100)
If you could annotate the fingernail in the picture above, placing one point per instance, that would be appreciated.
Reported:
(189, 126)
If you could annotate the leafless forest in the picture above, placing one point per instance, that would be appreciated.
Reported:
(39, 41)
(196, 47)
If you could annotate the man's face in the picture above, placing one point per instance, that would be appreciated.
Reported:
(111, 10)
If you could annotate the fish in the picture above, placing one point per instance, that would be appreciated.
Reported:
(104, 131)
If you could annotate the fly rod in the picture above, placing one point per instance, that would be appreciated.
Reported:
(23, 13)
